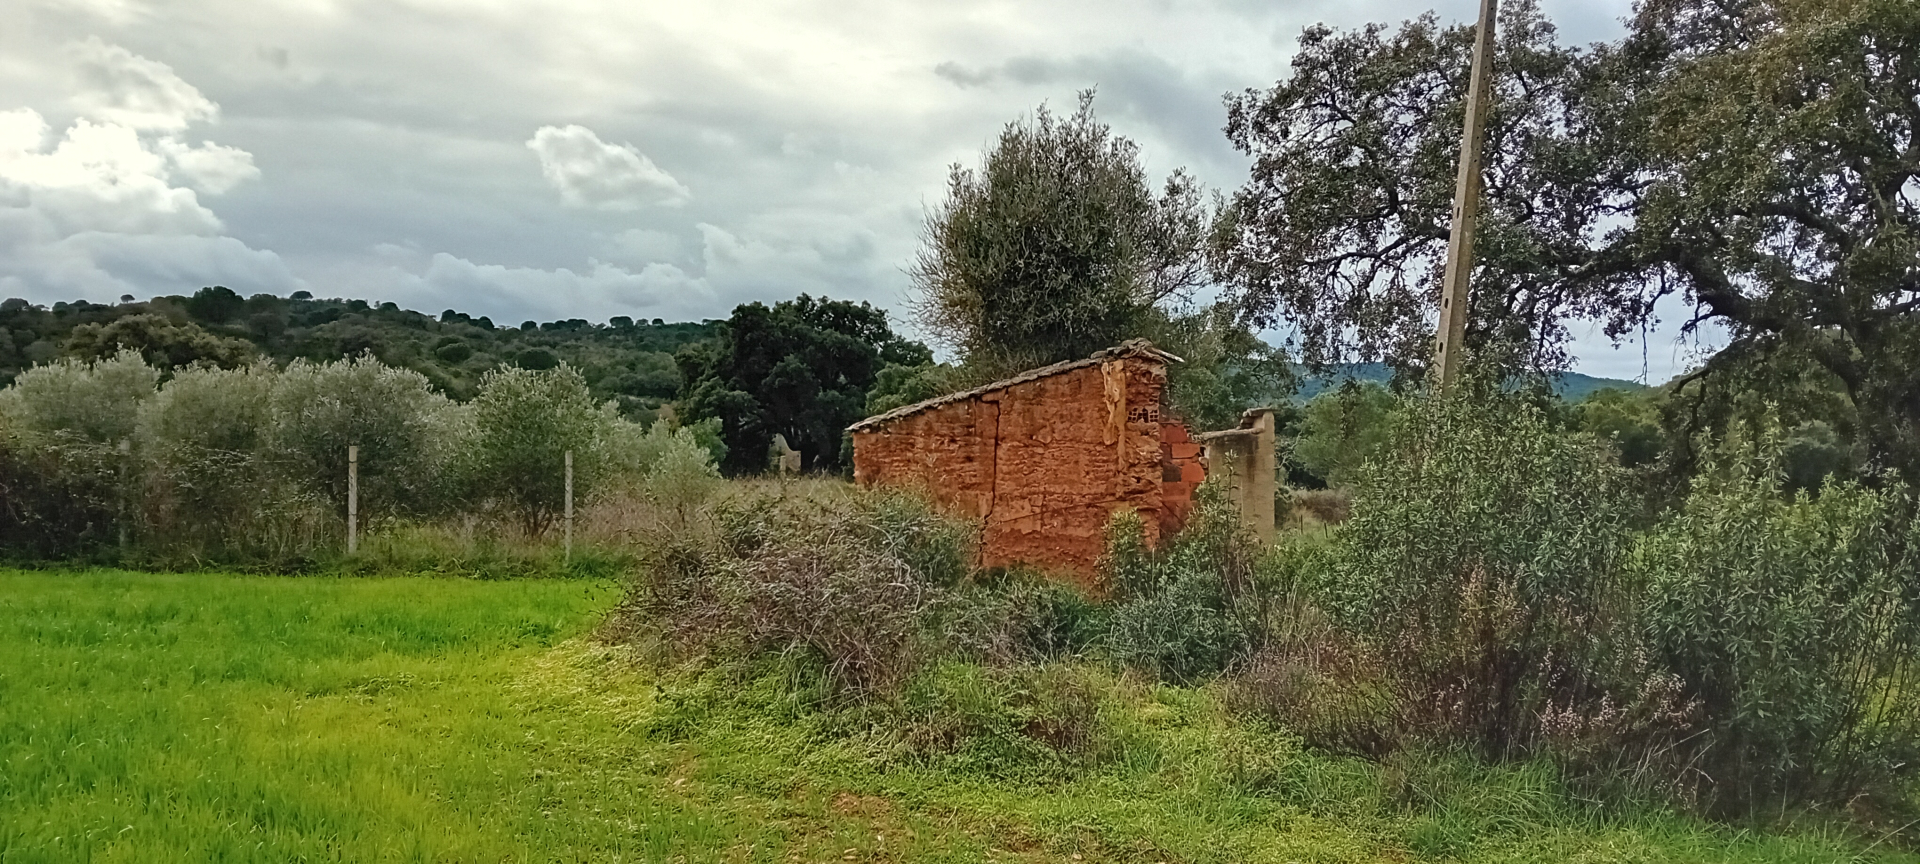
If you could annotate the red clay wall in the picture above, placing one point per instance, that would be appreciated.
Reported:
(1043, 464)
(1182, 471)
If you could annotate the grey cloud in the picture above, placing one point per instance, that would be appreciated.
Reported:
(962, 76)
(1134, 86)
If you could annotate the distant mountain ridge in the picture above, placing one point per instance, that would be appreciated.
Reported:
(1571, 386)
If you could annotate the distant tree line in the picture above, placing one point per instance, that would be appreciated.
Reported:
(627, 361)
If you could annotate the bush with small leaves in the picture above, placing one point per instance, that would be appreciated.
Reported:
(1792, 619)
(1480, 566)
(525, 421)
(81, 401)
(212, 489)
(392, 415)
(65, 482)
(1191, 607)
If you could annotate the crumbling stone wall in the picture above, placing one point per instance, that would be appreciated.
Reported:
(1044, 460)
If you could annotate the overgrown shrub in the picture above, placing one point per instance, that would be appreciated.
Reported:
(675, 473)
(1010, 617)
(64, 473)
(1342, 429)
(1010, 721)
(58, 500)
(1480, 567)
(850, 583)
(211, 488)
(1190, 607)
(81, 402)
(1791, 619)
(1322, 682)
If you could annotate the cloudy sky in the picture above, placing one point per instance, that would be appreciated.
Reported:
(570, 158)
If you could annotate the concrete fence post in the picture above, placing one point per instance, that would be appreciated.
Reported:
(353, 498)
(569, 508)
(126, 508)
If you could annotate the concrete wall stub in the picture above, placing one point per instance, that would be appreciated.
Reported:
(1245, 458)
(785, 458)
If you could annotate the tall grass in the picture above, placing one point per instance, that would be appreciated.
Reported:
(150, 718)
(154, 718)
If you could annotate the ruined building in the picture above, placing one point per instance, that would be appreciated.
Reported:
(1044, 459)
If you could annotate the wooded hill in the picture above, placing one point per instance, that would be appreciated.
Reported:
(624, 360)
(1570, 386)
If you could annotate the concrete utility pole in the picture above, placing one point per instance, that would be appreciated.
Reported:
(1448, 344)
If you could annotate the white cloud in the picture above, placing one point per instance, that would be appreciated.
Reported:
(592, 173)
(99, 209)
(101, 265)
(562, 289)
(99, 178)
(119, 86)
(214, 168)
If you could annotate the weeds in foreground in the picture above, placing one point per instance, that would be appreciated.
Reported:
(1497, 593)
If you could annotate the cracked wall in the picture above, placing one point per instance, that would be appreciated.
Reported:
(1044, 463)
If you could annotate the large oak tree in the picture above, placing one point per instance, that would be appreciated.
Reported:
(800, 368)
(1756, 158)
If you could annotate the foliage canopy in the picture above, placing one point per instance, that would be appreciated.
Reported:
(800, 368)
(1756, 160)
(1056, 247)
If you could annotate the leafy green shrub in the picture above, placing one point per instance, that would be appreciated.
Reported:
(1628, 420)
(1189, 608)
(1343, 428)
(678, 474)
(1813, 452)
(81, 402)
(58, 500)
(65, 480)
(1479, 571)
(211, 488)
(161, 341)
(1323, 683)
(524, 421)
(393, 415)
(1004, 618)
(1791, 619)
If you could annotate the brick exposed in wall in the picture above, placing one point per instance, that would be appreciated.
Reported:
(1044, 460)
(1182, 470)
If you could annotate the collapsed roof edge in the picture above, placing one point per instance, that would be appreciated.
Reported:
(1129, 348)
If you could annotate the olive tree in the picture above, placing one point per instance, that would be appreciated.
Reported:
(82, 401)
(392, 415)
(524, 422)
(1056, 246)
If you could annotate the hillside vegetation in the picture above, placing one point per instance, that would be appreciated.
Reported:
(625, 360)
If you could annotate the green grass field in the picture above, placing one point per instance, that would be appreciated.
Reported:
(150, 718)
